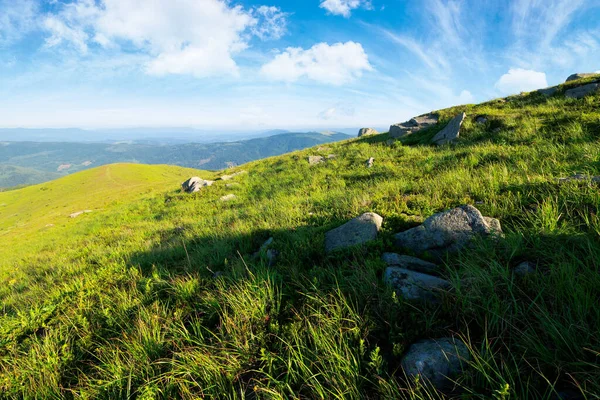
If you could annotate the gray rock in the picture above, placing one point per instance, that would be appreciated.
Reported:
(78, 213)
(436, 361)
(357, 231)
(370, 162)
(481, 119)
(451, 132)
(413, 125)
(548, 91)
(331, 156)
(229, 177)
(228, 197)
(525, 268)
(314, 160)
(575, 77)
(448, 231)
(194, 184)
(232, 185)
(413, 285)
(580, 177)
(408, 262)
(582, 91)
(367, 132)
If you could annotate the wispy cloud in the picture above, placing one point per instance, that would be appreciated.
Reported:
(17, 18)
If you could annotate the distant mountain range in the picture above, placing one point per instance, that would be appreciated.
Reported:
(30, 162)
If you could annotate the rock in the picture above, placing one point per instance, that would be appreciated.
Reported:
(408, 262)
(448, 231)
(357, 231)
(331, 156)
(78, 213)
(231, 185)
(314, 160)
(413, 285)
(228, 197)
(436, 361)
(580, 177)
(525, 268)
(194, 184)
(414, 125)
(370, 162)
(229, 177)
(367, 132)
(575, 77)
(451, 132)
(548, 91)
(481, 119)
(582, 91)
(271, 254)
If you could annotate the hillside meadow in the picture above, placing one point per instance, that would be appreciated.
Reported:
(157, 293)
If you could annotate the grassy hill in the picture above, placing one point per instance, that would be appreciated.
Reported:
(12, 176)
(123, 303)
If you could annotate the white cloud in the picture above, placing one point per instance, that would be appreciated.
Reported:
(335, 64)
(344, 7)
(199, 38)
(339, 110)
(17, 18)
(521, 80)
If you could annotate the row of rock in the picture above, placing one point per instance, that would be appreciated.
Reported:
(415, 279)
(577, 92)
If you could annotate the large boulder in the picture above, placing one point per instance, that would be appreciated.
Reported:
(582, 91)
(448, 231)
(413, 285)
(408, 262)
(357, 231)
(367, 132)
(575, 77)
(549, 91)
(436, 361)
(414, 125)
(451, 132)
(194, 184)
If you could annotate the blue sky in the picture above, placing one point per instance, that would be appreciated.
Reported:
(251, 65)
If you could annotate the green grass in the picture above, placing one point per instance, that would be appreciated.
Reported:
(122, 303)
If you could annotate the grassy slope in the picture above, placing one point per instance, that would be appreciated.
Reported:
(11, 176)
(121, 303)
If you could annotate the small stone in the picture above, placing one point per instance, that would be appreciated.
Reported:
(580, 178)
(408, 262)
(367, 132)
(331, 156)
(451, 132)
(525, 268)
(357, 231)
(228, 197)
(314, 160)
(481, 119)
(78, 213)
(436, 361)
(370, 162)
(231, 185)
(412, 285)
(229, 177)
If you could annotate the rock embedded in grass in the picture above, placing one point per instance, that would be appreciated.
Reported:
(314, 160)
(548, 91)
(228, 197)
(194, 184)
(367, 132)
(580, 178)
(448, 231)
(413, 285)
(525, 268)
(580, 75)
(414, 125)
(436, 361)
(78, 213)
(229, 177)
(451, 132)
(370, 162)
(357, 231)
(582, 91)
(408, 262)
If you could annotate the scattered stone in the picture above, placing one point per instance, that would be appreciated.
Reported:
(413, 285)
(78, 213)
(314, 160)
(228, 197)
(414, 125)
(580, 177)
(481, 119)
(575, 77)
(436, 361)
(367, 132)
(582, 91)
(331, 156)
(451, 132)
(231, 185)
(448, 231)
(525, 268)
(357, 231)
(408, 262)
(370, 162)
(194, 184)
(229, 177)
(548, 91)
